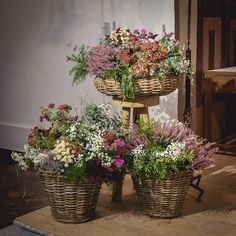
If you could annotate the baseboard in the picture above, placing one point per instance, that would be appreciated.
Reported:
(13, 137)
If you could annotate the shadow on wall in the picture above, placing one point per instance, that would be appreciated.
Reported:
(63, 16)
(167, 109)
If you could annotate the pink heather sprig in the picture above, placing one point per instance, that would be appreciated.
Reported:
(144, 35)
(135, 137)
(203, 150)
(101, 59)
(165, 34)
(176, 131)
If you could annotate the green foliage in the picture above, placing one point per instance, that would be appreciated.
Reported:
(159, 155)
(42, 138)
(74, 172)
(100, 115)
(159, 167)
(79, 58)
(122, 73)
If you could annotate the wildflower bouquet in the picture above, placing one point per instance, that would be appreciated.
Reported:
(75, 147)
(127, 57)
(161, 149)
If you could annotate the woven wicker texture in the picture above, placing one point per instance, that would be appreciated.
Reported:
(144, 87)
(71, 202)
(163, 198)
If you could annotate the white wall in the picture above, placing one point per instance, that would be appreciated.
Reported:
(34, 43)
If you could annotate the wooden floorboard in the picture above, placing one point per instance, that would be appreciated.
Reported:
(215, 215)
(19, 193)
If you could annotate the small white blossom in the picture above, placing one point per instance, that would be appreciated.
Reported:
(138, 150)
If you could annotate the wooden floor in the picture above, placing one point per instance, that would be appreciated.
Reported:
(13, 203)
(215, 215)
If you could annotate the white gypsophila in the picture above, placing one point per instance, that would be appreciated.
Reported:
(73, 132)
(19, 158)
(138, 150)
(94, 144)
(79, 160)
(106, 108)
(173, 151)
(93, 140)
(31, 155)
(35, 155)
(106, 160)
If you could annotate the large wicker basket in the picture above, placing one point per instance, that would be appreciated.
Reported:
(163, 198)
(71, 202)
(144, 87)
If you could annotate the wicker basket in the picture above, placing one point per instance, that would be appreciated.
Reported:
(71, 202)
(163, 198)
(144, 87)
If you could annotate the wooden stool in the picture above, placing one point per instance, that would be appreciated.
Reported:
(139, 106)
(140, 111)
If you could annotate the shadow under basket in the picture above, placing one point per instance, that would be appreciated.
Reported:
(71, 202)
(163, 198)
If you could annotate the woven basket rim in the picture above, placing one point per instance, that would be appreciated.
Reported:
(182, 172)
(169, 74)
(143, 87)
(53, 173)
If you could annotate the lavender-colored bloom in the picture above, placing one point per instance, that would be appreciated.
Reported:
(117, 156)
(101, 59)
(118, 162)
(177, 132)
(119, 143)
(106, 146)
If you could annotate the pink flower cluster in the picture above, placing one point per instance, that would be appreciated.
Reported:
(167, 132)
(101, 59)
(117, 147)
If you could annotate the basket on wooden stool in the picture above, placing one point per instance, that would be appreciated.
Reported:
(71, 202)
(163, 198)
(144, 87)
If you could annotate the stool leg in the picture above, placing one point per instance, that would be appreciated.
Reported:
(141, 113)
(117, 189)
(125, 118)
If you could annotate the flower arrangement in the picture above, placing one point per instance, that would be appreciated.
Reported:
(75, 147)
(160, 149)
(127, 56)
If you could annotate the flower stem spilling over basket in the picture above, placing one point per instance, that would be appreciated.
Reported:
(132, 63)
(71, 202)
(163, 198)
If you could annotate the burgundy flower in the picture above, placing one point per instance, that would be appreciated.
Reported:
(109, 136)
(65, 107)
(51, 105)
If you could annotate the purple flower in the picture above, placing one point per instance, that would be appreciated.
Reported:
(119, 143)
(118, 162)
(106, 146)
(101, 59)
(117, 156)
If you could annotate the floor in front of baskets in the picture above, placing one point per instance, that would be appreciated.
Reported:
(19, 193)
(215, 215)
